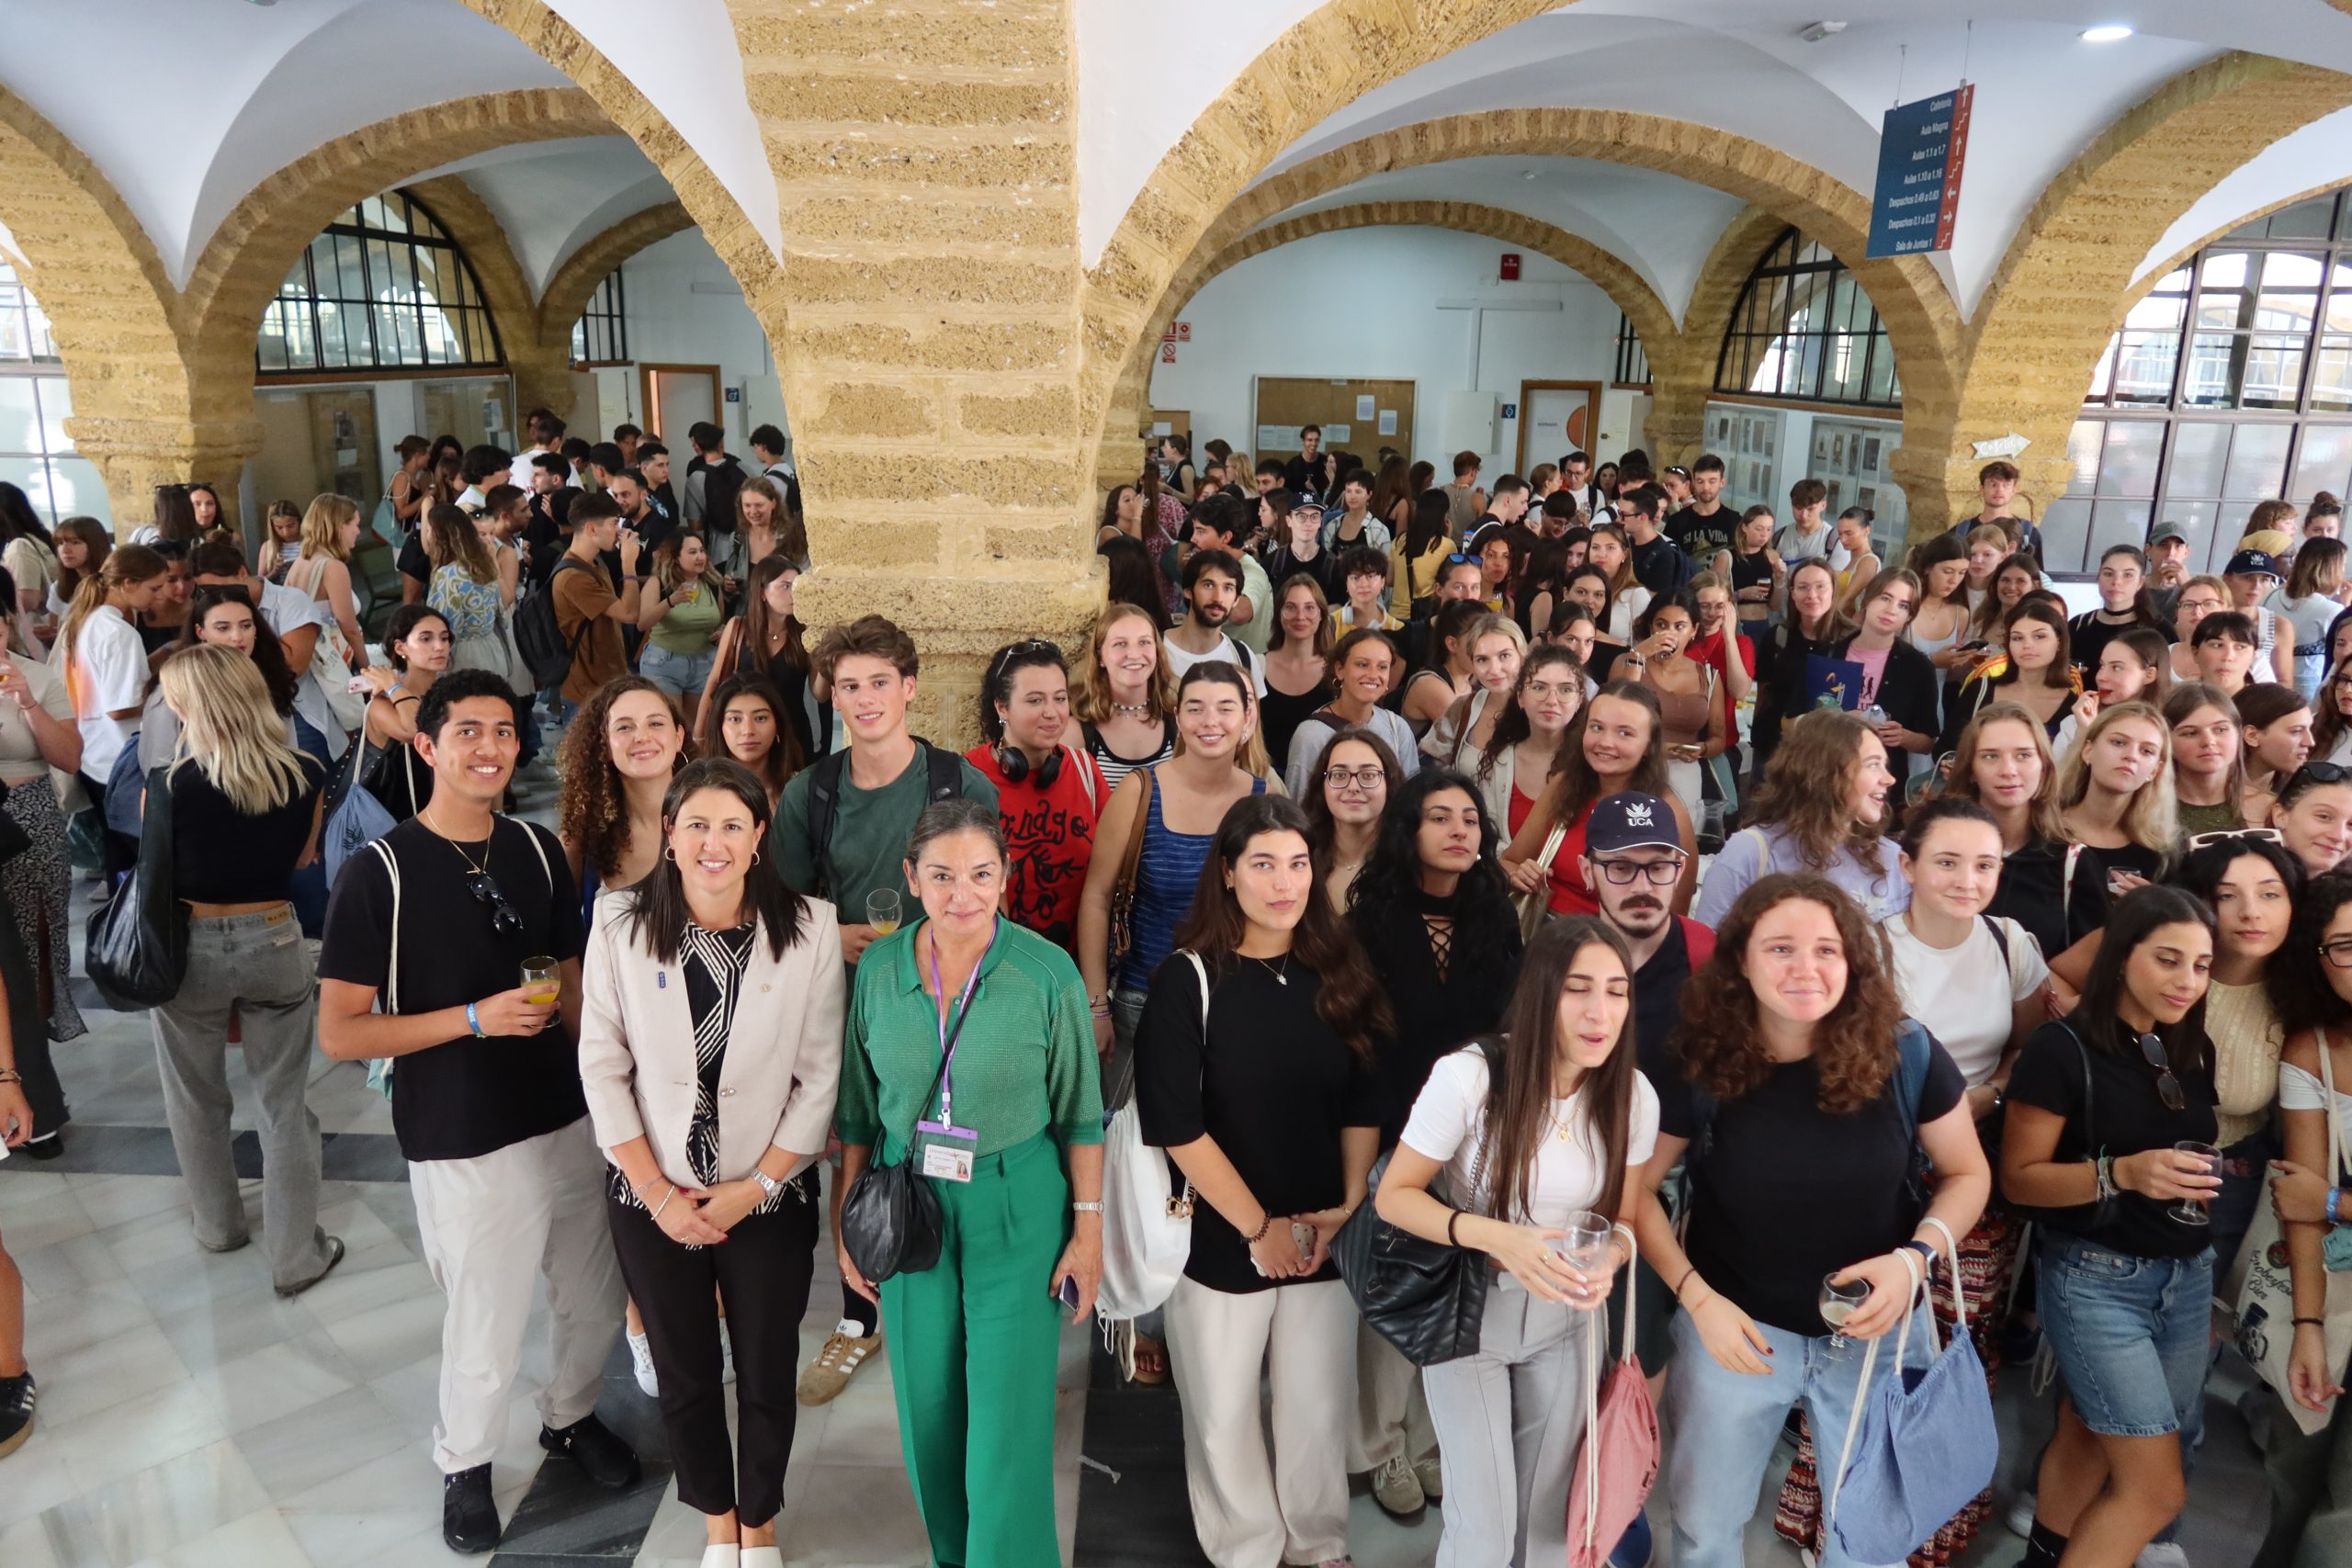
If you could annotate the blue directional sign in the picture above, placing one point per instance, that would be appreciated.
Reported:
(1922, 149)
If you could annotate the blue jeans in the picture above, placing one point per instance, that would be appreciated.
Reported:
(2129, 1335)
(680, 674)
(1725, 1424)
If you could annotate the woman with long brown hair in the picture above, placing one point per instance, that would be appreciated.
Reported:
(743, 721)
(1555, 1110)
(1823, 810)
(1524, 751)
(471, 587)
(1619, 746)
(1392, 496)
(2035, 668)
(1803, 1092)
(768, 641)
(617, 760)
(2003, 764)
(105, 663)
(1124, 693)
(1253, 1070)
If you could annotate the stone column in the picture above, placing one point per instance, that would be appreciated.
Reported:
(927, 321)
(133, 455)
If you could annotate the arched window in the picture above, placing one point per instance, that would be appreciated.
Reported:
(1804, 331)
(601, 335)
(382, 288)
(1632, 359)
(36, 455)
(2229, 382)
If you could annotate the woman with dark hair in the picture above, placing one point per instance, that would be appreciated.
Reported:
(2313, 813)
(407, 491)
(1587, 591)
(2012, 578)
(2099, 1109)
(2193, 601)
(1134, 579)
(2033, 668)
(1049, 793)
(1689, 696)
(1253, 1070)
(680, 623)
(1540, 587)
(417, 642)
(1532, 1131)
(974, 1338)
(173, 521)
(1939, 628)
(104, 661)
(2331, 712)
(767, 639)
(82, 544)
(744, 722)
(619, 758)
(2135, 666)
(2003, 764)
(1755, 574)
(1298, 662)
(2223, 647)
(1823, 810)
(472, 586)
(1620, 745)
(1494, 646)
(1812, 630)
(1393, 490)
(1803, 1091)
(221, 616)
(1352, 780)
(1898, 680)
(2276, 724)
(1515, 765)
(2309, 601)
(28, 551)
(1419, 551)
(1435, 918)
(713, 1194)
(2311, 983)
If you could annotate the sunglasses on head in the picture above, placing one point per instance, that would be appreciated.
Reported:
(2254, 835)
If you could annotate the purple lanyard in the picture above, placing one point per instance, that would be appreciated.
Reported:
(947, 1038)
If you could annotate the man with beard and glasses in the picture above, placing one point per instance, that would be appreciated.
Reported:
(1211, 585)
(1633, 858)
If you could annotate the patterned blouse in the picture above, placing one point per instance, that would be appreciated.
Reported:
(713, 962)
(469, 607)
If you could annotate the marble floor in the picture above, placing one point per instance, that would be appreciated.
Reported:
(189, 1418)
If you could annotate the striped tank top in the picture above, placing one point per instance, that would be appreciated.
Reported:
(1168, 873)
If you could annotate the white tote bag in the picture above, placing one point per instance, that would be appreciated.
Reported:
(1147, 1219)
(2266, 1301)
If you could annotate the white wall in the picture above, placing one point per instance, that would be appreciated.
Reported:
(685, 308)
(1364, 303)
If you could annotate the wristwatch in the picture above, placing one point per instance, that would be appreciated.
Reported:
(768, 1184)
(1080, 1206)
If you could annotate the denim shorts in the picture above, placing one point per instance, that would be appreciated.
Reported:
(2129, 1335)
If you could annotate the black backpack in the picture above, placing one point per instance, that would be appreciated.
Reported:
(538, 636)
(720, 482)
(944, 780)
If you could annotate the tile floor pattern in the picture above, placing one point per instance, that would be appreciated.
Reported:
(191, 1419)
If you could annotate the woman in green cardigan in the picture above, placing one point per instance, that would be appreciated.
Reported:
(1012, 1146)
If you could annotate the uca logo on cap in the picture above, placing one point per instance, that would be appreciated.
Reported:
(1637, 814)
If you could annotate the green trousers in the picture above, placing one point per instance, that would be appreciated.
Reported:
(974, 1340)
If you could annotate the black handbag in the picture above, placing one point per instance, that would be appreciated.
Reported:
(137, 940)
(1426, 1298)
(891, 1222)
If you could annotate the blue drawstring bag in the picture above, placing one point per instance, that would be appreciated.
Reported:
(354, 818)
(1921, 1444)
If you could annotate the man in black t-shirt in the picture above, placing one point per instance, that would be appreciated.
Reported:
(1303, 475)
(1659, 566)
(437, 920)
(1634, 836)
(1703, 527)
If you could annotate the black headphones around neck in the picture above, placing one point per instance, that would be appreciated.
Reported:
(1013, 764)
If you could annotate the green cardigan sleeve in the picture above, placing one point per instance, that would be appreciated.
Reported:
(1073, 1071)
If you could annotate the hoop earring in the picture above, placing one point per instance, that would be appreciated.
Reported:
(756, 857)
(668, 853)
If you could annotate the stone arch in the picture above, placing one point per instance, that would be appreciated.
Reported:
(569, 291)
(1625, 287)
(108, 300)
(1682, 371)
(2070, 274)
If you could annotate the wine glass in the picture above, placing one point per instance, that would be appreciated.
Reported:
(2191, 1211)
(542, 981)
(1584, 1246)
(882, 911)
(1839, 1303)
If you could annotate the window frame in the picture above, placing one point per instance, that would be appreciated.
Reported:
(606, 311)
(1633, 366)
(1798, 278)
(396, 263)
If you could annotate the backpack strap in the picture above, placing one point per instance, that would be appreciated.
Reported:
(824, 801)
(945, 773)
(392, 972)
(1913, 1054)
(2001, 940)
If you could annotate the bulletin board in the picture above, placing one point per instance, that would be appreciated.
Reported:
(1280, 404)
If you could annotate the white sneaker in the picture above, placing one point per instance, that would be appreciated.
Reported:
(640, 1353)
(2163, 1554)
(2021, 1516)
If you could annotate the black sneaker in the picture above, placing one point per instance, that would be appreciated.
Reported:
(49, 1145)
(469, 1513)
(17, 1397)
(591, 1444)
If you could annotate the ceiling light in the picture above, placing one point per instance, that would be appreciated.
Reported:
(2107, 32)
(1813, 32)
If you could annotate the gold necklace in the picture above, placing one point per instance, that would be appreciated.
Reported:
(481, 870)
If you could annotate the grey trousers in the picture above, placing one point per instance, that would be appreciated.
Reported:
(255, 964)
(2311, 1494)
(1509, 1419)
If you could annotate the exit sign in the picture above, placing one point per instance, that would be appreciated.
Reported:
(1510, 266)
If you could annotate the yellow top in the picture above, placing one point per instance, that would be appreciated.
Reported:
(1423, 575)
(2247, 1039)
(1341, 626)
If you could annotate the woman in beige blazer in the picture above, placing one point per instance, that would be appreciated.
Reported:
(711, 1047)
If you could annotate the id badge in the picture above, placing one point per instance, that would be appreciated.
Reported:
(946, 1150)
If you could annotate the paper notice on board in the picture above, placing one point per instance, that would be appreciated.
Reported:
(1363, 405)
(1277, 438)
(1163, 427)
(1387, 422)
(1335, 435)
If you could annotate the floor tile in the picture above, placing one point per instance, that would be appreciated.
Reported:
(259, 1540)
(153, 1510)
(274, 1380)
(325, 1439)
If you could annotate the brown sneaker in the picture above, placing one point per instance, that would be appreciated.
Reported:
(830, 1373)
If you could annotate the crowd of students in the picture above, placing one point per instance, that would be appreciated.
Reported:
(1569, 854)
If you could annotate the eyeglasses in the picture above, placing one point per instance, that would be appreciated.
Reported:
(2256, 835)
(1355, 778)
(1625, 873)
(2338, 954)
(487, 893)
(2168, 1086)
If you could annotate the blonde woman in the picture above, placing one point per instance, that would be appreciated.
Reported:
(471, 587)
(1497, 649)
(245, 810)
(1124, 693)
(2115, 796)
(104, 664)
(330, 533)
(764, 526)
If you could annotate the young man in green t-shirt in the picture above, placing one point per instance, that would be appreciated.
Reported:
(875, 791)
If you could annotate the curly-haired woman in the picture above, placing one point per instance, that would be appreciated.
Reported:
(1803, 1090)
(618, 759)
(1822, 810)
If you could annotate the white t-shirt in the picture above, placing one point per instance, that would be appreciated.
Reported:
(109, 674)
(1180, 660)
(1448, 1123)
(1958, 994)
(289, 610)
